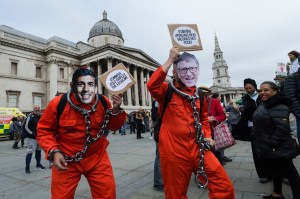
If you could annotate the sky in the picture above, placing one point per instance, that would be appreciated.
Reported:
(253, 35)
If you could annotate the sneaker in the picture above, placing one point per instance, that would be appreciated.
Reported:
(27, 171)
(40, 167)
(158, 188)
(264, 180)
(226, 159)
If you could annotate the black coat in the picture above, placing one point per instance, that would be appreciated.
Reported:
(292, 90)
(271, 131)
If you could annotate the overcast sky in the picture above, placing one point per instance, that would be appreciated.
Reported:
(253, 35)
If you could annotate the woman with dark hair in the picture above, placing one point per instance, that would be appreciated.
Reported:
(272, 139)
(250, 102)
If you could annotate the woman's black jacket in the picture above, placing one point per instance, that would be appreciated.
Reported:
(271, 129)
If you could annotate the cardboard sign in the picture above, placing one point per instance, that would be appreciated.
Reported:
(117, 80)
(185, 36)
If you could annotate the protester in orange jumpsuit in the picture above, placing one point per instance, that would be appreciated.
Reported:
(179, 153)
(61, 140)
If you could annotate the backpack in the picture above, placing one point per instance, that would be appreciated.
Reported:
(168, 97)
(63, 101)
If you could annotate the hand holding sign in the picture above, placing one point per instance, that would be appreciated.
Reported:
(117, 80)
(185, 36)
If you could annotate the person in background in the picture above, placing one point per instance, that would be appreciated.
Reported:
(216, 115)
(132, 122)
(250, 101)
(11, 128)
(291, 88)
(76, 142)
(218, 97)
(158, 184)
(139, 123)
(179, 148)
(233, 118)
(17, 131)
(273, 141)
(32, 145)
(295, 61)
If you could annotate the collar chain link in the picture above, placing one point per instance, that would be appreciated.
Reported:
(89, 139)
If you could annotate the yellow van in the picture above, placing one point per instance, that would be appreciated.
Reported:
(6, 114)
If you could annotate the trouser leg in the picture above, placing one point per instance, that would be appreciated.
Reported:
(219, 183)
(64, 183)
(157, 169)
(38, 157)
(28, 160)
(261, 165)
(100, 178)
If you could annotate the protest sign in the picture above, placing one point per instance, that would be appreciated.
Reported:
(117, 80)
(185, 36)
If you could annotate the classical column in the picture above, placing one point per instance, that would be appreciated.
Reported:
(129, 90)
(148, 93)
(109, 63)
(143, 81)
(99, 67)
(136, 89)
(53, 73)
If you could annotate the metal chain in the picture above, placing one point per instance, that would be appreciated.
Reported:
(89, 138)
(202, 143)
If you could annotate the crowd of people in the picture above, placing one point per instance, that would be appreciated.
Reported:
(75, 140)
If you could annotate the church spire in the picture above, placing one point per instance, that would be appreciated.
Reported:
(217, 47)
(220, 69)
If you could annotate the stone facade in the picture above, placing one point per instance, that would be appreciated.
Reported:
(34, 70)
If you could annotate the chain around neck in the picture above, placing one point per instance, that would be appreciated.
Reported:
(82, 110)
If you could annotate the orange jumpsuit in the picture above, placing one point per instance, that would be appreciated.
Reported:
(70, 136)
(179, 153)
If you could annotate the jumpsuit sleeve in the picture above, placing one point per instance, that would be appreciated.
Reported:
(115, 121)
(47, 128)
(204, 120)
(157, 86)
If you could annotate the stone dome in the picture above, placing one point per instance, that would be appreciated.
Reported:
(105, 27)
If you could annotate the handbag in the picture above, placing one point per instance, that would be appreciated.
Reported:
(222, 136)
(296, 147)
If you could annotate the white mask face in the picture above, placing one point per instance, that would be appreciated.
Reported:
(188, 72)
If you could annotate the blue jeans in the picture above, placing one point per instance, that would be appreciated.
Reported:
(157, 170)
(298, 129)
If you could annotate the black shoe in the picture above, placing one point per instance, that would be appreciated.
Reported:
(264, 180)
(286, 181)
(272, 197)
(158, 188)
(226, 159)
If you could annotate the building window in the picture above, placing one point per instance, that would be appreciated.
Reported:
(218, 73)
(13, 68)
(12, 99)
(38, 72)
(37, 100)
(61, 73)
(219, 81)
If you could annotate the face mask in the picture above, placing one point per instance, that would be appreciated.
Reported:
(188, 73)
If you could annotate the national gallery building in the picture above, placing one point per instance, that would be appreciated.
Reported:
(34, 70)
